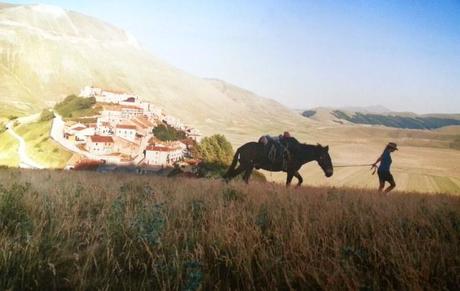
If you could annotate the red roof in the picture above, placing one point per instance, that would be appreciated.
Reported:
(143, 122)
(99, 138)
(154, 148)
(141, 125)
(146, 121)
(111, 107)
(87, 165)
(126, 126)
(130, 107)
(188, 141)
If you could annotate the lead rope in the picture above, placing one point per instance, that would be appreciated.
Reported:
(349, 166)
(360, 165)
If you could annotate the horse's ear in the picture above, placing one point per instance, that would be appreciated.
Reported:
(326, 148)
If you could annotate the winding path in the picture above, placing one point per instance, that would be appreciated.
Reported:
(25, 160)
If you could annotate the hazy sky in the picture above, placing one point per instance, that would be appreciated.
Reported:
(404, 55)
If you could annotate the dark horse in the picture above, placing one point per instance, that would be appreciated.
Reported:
(253, 155)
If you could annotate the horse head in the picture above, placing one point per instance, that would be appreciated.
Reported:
(324, 160)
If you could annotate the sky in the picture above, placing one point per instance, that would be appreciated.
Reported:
(404, 55)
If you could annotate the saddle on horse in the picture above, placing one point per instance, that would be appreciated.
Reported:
(276, 150)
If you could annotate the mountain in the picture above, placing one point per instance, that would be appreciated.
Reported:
(324, 114)
(405, 120)
(47, 53)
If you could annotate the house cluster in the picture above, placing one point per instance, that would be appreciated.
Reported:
(124, 131)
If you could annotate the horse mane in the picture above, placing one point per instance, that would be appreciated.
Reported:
(309, 146)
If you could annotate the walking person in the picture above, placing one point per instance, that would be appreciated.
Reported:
(384, 168)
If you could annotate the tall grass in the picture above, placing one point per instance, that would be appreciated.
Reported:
(82, 230)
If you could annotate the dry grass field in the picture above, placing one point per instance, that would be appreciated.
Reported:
(83, 230)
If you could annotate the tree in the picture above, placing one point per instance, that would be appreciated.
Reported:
(215, 149)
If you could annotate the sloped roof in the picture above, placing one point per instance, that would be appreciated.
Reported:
(100, 138)
(126, 126)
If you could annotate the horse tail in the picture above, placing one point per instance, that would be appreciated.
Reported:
(233, 164)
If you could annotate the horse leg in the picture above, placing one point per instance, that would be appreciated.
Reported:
(240, 169)
(290, 175)
(247, 174)
(297, 175)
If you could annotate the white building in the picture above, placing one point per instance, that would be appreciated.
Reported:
(143, 125)
(78, 133)
(150, 110)
(100, 145)
(193, 134)
(90, 91)
(108, 96)
(126, 131)
(126, 147)
(158, 154)
(81, 136)
(111, 115)
(130, 112)
(103, 128)
(131, 100)
(174, 122)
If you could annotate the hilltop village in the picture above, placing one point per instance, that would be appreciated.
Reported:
(122, 133)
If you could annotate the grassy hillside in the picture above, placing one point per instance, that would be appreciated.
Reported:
(409, 122)
(82, 230)
(47, 52)
(8, 150)
(40, 147)
(8, 112)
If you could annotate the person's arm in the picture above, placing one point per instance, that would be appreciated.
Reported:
(374, 165)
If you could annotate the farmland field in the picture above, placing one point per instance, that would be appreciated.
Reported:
(422, 166)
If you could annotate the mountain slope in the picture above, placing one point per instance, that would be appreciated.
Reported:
(404, 120)
(47, 53)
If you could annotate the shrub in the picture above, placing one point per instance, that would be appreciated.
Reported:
(309, 113)
(46, 115)
(74, 106)
(165, 132)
